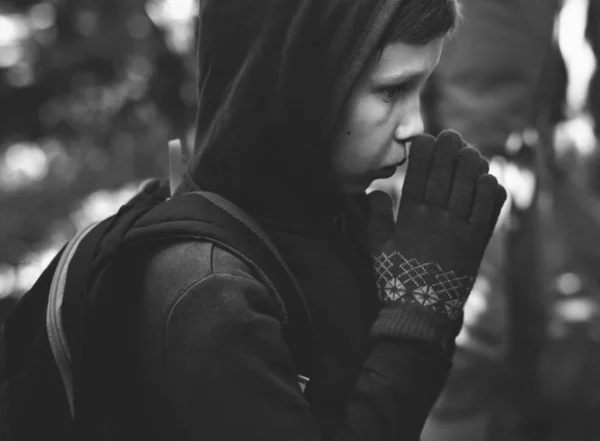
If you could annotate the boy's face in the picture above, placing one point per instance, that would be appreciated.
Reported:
(382, 115)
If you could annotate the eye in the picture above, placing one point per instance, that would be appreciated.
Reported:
(392, 93)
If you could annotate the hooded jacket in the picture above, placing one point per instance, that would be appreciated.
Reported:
(212, 362)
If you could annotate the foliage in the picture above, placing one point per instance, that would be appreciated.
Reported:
(90, 93)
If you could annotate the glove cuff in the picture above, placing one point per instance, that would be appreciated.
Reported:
(414, 322)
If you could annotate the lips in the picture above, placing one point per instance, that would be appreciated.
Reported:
(387, 172)
(401, 163)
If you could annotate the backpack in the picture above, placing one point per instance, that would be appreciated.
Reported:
(65, 334)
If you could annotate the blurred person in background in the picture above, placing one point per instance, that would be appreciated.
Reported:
(495, 84)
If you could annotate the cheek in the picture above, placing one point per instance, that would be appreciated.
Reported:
(362, 136)
(365, 125)
(369, 115)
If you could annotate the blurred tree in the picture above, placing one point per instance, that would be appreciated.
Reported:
(90, 92)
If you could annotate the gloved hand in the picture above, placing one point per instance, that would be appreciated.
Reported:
(427, 261)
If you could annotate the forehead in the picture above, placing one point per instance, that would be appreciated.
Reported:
(399, 58)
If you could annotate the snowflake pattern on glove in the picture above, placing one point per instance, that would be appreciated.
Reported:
(424, 283)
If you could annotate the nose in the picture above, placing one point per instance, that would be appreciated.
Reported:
(410, 124)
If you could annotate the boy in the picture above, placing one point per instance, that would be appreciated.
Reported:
(302, 105)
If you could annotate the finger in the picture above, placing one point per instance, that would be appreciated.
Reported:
(466, 175)
(415, 181)
(485, 203)
(484, 166)
(500, 200)
(441, 172)
(381, 218)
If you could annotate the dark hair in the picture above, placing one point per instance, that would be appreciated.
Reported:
(420, 22)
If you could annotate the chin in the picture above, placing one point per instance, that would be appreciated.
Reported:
(354, 188)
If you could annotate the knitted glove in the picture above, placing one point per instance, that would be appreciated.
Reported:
(426, 262)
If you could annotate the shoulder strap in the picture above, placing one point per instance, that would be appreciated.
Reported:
(65, 311)
(57, 338)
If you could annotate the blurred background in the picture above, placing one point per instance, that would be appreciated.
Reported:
(91, 92)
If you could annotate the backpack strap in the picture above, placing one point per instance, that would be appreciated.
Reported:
(59, 343)
(65, 311)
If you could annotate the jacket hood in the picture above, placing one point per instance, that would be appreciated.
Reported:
(273, 78)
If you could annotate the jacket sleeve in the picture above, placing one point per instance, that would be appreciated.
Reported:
(230, 373)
